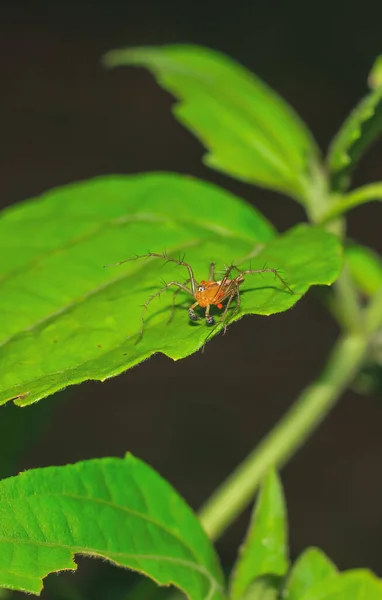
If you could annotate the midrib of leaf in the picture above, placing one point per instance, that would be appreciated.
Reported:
(121, 221)
(71, 243)
(100, 288)
(77, 549)
(251, 135)
(110, 223)
(253, 138)
(114, 505)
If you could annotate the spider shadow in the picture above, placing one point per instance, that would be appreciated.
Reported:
(149, 314)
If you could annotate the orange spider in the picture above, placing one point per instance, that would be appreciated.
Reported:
(206, 293)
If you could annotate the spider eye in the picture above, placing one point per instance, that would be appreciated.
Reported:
(201, 289)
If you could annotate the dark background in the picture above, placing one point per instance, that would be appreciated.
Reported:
(64, 119)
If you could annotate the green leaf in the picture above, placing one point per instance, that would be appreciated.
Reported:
(365, 268)
(358, 132)
(312, 567)
(359, 584)
(265, 549)
(266, 587)
(249, 131)
(375, 76)
(119, 510)
(341, 204)
(65, 319)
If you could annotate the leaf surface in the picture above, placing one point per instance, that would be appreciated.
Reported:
(116, 509)
(359, 584)
(265, 550)
(312, 567)
(266, 587)
(249, 131)
(64, 318)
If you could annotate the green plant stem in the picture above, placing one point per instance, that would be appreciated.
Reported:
(287, 436)
(346, 306)
(345, 202)
(373, 316)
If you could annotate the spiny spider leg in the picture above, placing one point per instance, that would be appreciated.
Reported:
(235, 310)
(173, 302)
(264, 270)
(209, 319)
(158, 293)
(181, 263)
(224, 320)
(192, 314)
(223, 283)
(211, 276)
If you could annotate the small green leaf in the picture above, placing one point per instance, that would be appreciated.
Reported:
(359, 584)
(116, 509)
(375, 77)
(357, 133)
(265, 550)
(342, 203)
(312, 567)
(64, 318)
(249, 131)
(365, 267)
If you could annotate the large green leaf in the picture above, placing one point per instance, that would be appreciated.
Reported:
(65, 319)
(116, 509)
(265, 550)
(357, 133)
(312, 567)
(249, 131)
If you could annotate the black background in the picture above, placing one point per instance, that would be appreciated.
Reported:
(64, 119)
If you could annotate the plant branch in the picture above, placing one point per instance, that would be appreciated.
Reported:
(345, 305)
(287, 436)
(345, 202)
(373, 316)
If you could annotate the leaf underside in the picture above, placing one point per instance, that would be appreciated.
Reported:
(111, 508)
(64, 318)
(250, 132)
(358, 132)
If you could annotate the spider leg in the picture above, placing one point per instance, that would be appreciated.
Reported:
(181, 286)
(164, 256)
(192, 314)
(225, 286)
(232, 293)
(209, 319)
(224, 319)
(266, 270)
(173, 302)
(211, 276)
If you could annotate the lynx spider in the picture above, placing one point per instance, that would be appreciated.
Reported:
(206, 293)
